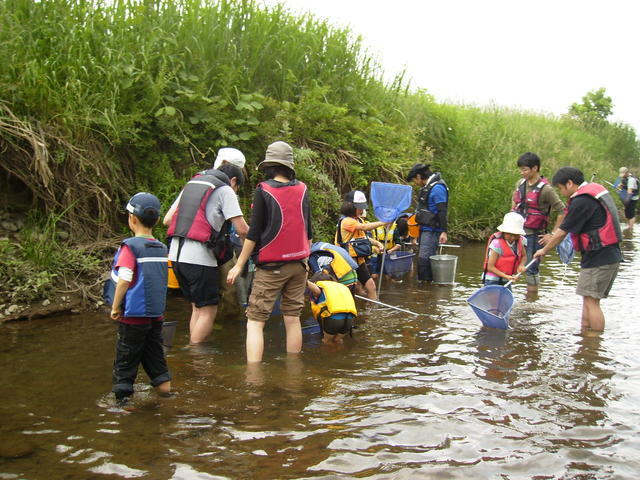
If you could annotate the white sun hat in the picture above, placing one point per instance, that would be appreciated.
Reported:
(512, 223)
(230, 155)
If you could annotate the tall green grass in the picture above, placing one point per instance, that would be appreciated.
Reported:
(477, 151)
(130, 95)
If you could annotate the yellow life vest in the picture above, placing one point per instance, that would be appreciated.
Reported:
(337, 299)
(379, 234)
(339, 266)
(172, 280)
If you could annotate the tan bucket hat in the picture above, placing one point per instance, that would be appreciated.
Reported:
(278, 153)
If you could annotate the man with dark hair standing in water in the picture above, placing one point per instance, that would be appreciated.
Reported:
(534, 199)
(433, 202)
(592, 219)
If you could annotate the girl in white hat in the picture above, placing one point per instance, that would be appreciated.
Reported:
(505, 254)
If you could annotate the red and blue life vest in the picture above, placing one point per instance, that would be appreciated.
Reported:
(285, 238)
(509, 260)
(610, 233)
(528, 205)
(147, 297)
(190, 219)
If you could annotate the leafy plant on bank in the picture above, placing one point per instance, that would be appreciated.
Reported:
(39, 262)
(103, 99)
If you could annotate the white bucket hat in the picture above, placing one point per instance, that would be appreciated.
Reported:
(512, 223)
(230, 155)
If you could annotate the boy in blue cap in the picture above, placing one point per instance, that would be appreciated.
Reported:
(137, 292)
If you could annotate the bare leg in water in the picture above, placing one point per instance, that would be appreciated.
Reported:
(201, 323)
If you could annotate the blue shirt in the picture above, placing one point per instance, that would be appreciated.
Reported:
(438, 194)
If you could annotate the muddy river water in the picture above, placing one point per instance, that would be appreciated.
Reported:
(433, 396)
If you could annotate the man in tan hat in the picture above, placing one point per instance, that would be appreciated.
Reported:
(279, 241)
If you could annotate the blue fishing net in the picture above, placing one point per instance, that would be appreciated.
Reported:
(565, 250)
(390, 200)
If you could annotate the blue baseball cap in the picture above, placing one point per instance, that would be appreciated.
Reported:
(144, 205)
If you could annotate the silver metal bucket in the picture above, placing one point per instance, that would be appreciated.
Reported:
(443, 268)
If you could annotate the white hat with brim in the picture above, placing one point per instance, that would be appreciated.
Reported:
(278, 153)
(512, 223)
(230, 155)
(623, 170)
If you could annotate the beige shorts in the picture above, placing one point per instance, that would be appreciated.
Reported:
(290, 280)
(596, 282)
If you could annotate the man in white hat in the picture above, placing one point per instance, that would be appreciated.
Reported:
(229, 155)
(199, 221)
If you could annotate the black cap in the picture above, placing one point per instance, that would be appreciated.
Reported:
(418, 168)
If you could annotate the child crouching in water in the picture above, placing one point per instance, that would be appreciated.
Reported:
(505, 255)
(137, 292)
(332, 306)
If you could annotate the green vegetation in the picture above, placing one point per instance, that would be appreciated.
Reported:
(39, 263)
(102, 99)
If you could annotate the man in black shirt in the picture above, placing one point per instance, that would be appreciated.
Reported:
(592, 220)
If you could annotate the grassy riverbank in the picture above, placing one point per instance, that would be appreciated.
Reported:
(101, 100)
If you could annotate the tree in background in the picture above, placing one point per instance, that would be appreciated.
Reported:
(594, 109)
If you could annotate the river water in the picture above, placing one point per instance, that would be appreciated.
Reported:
(433, 396)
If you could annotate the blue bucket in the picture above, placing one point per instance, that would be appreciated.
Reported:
(311, 327)
(398, 263)
(276, 306)
(492, 304)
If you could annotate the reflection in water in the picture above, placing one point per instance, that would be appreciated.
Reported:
(494, 363)
(408, 397)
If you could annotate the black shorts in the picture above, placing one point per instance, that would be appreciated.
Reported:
(199, 284)
(363, 273)
(630, 209)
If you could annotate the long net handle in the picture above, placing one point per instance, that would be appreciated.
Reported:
(386, 305)
(520, 273)
(381, 262)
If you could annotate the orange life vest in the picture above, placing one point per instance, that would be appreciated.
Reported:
(509, 260)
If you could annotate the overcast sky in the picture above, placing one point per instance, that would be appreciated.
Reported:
(538, 55)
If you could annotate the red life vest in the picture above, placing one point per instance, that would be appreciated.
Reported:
(507, 262)
(285, 239)
(610, 233)
(190, 218)
(529, 205)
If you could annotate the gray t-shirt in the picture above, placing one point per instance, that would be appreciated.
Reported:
(221, 205)
(632, 184)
